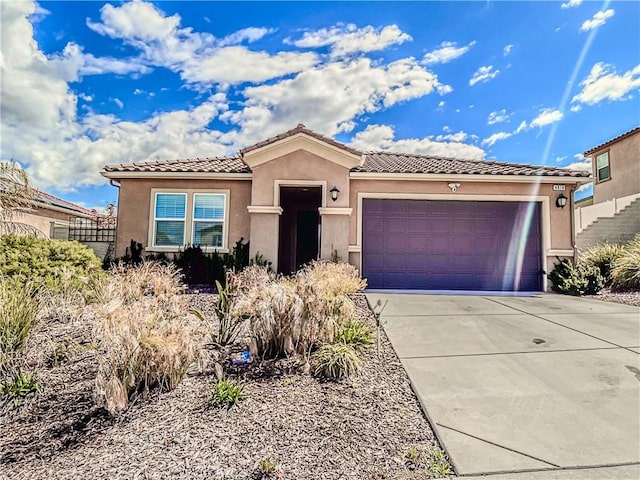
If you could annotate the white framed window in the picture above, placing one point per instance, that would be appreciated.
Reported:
(603, 169)
(169, 219)
(188, 217)
(208, 219)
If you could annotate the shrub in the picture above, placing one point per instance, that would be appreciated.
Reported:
(603, 256)
(355, 333)
(44, 261)
(336, 360)
(18, 316)
(19, 387)
(625, 274)
(575, 280)
(144, 335)
(226, 392)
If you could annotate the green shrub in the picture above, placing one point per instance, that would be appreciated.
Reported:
(267, 467)
(336, 360)
(144, 335)
(575, 280)
(19, 387)
(226, 393)
(625, 274)
(18, 316)
(355, 333)
(603, 256)
(47, 262)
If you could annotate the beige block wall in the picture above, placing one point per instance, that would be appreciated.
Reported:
(41, 218)
(134, 206)
(624, 162)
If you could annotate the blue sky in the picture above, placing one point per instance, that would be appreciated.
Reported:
(86, 84)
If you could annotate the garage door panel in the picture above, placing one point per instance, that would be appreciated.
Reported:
(395, 224)
(429, 244)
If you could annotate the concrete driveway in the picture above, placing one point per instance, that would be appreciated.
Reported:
(522, 383)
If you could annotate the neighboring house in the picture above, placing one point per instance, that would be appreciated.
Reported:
(406, 221)
(51, 215)
(614, 214)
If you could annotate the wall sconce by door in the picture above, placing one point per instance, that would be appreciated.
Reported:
(334, 193)
(561, 201)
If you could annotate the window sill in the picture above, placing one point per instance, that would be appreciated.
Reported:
(176, 250)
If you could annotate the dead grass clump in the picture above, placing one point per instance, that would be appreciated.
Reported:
(146, 338)
(132, 283)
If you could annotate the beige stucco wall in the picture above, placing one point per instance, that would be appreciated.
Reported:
(294, 169)
(41, 218)
(624, 161)
(134, 206)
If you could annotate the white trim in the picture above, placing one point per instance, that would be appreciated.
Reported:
(264, 209)
(302, 141)
(277, 184)
(560, 252)
(191, 175)
(188, 220)
(354, 249)
(48, 206)
(461, 177)
(335, 211)
(545, 213)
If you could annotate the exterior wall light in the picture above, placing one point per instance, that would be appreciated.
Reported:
(334, 193)
(561, 201)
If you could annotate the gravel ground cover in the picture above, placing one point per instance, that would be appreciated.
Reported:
(362, 427)
(628, 298)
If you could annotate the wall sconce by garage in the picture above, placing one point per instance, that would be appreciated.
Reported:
(454, 187)
(334, 193)
(561, 201)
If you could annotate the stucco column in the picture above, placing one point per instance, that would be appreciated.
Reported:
(335, 232)
(265, 222)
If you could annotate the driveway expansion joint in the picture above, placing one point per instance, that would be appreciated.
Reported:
(561, 325)
(494, 354)
(498, 445)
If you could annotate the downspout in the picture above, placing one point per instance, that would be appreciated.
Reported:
(573, 223)
(115, 183)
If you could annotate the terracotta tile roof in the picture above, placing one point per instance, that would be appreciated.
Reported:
(43, 199)
(613, 140)
(375, 162)
(386, 162)
(300, 129)
(206, 164)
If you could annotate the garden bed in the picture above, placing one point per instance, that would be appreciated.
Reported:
(627, 298)
(361, 427)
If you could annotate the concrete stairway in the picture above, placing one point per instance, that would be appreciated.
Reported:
(620, 228)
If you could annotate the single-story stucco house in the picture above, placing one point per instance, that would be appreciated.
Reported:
(406, 221)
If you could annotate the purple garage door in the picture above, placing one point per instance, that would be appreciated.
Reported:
(451, 245)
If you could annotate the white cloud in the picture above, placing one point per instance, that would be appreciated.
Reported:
(250, 35)
(507, 49)
(198, 57)
(446, 52)
(547, 116)
(118, 102)
(576, 108)
(483, 74)
(571, 4)
(458, 137)
(330, 95)
(523, 126)
(496, 137)
(559, 159)
(349, 39)
(603, 83)
(599, 19)
(583, 164)
(498, 116)
(382, 137)
(441, 104)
